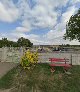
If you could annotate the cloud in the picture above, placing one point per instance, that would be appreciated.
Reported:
(52, 3)
(72, 2)
(55, 36)
(13, 36)
(69, 12)
(40, 14)
(21, 29)
(8, 13)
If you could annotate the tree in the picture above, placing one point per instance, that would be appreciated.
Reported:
(73, 27)
(21, 42)
(4, 42)
(24, 42)
(67, 45)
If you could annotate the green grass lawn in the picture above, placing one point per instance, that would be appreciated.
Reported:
(40, 79)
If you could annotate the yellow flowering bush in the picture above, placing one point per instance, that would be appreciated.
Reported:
(29, 59)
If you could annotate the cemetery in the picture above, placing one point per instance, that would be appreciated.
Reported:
(39, 45)
(38, 77)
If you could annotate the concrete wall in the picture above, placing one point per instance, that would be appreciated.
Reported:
(12, 55)
(76, 59)
(73, 58)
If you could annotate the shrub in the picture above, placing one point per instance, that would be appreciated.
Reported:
(29, 59)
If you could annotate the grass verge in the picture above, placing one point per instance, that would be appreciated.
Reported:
(7, 80)
(40, 79)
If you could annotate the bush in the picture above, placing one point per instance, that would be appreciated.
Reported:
(29, 59)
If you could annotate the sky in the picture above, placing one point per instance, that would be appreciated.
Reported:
(43, 22)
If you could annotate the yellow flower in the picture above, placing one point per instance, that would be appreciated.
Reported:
(29, 58)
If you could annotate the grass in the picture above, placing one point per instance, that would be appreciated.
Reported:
(7, 80)
(40, 79)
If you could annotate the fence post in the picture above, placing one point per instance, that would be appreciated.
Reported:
(12, 50)
(0, 54)
(71, 59)
(21, 51)
(4, 54)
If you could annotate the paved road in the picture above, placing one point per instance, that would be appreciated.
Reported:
(5, 67)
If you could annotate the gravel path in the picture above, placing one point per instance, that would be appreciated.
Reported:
(7, 90)
(5, 67)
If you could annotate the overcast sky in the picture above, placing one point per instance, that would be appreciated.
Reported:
(41, 21)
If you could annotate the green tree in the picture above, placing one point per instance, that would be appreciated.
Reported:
(4, 42)
(24, 42)
(0, 43)
(73, 27)
(21, 42)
